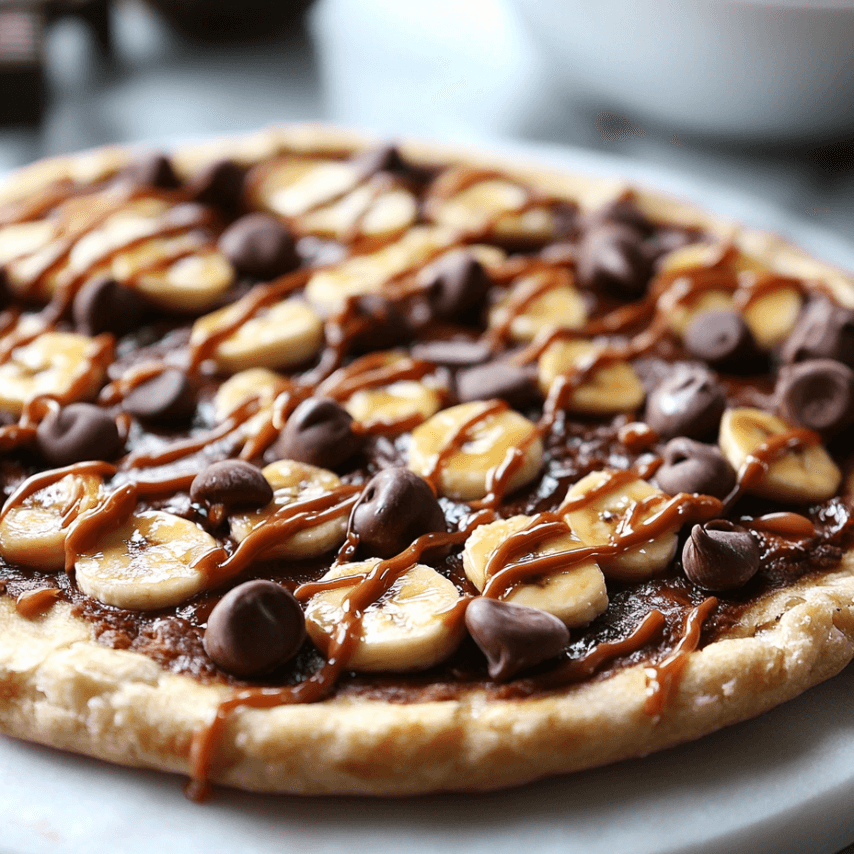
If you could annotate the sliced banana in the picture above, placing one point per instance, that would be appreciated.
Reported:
(614, 513)
(32, 532)
(556, 304)
(151, 561)
(278, 336)
(681, 312)
(363, 274)
(491, 202)
(63, 364)
(575, 595)
(613, 387)
(415, 625)
(20, 239)
(260, 383)
(468, 460)
(806, 474)
(772, 315)
(295, 483)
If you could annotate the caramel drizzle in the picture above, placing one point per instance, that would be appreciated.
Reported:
(664, 678)
(106, 516)
(371, 372)
(23, 433)
(33, 603)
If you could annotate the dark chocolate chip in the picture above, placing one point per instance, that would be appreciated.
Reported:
(319, 432)
(234, 483)
(452, 354)
(382, 158)
(823, 331)
(611, 257)
(382, 325)
(254, 628)
(817, 394)
(219, 184)
(260, 246)
(395, 508)
(103, 305)
(514, 383)
(151, 169)
(458, 285)
(624, 211)
(720, 555)
(78, 432)
(723, 340)
(165, 397)
(689, 402)
(691, 466)
(513, 637)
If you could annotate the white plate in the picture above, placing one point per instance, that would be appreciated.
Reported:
(783, 783)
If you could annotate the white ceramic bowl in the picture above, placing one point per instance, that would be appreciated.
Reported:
(746, 69)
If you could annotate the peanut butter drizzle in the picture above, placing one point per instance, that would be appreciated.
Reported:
(523, 297)
(664, 678)
(373, 371)
(542, 527)
(33, 603)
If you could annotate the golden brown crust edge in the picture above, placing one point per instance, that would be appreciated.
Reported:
(58, 687)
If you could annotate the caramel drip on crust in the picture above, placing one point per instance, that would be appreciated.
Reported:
(664, 677)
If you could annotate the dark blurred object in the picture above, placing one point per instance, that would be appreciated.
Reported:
(22, 96)
(230, 20)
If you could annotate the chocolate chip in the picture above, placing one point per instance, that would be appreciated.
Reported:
(689, 402)
(691, 466)
(254, 628)
(383, 325)
(151, 169)
(624, 211)
(458, 285)
(259, 246)
(720, 555)
(219, 184)
(723, 340)
(165, 397)
(234, 483)
(382, 158)
(78, 432)
(513, 637)
(395, 508)
(319, 432)
(823, 331)
(103, 305)
(452, 354)
(611, 258)
(817, 394)
(514, 383)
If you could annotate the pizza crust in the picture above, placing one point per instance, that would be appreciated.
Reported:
(61, 688)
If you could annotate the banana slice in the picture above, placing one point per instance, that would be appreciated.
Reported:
(807, 474)
(492, 202)
(295, 483)
(614, 387)
(773, 315)
(545, 300)
(468, 459)
(151, 561)
(32, 532)
(415, 625)
(278, 336)
(575, 595)
(65, 365)
(364, 274)
(603, 519)
(20, 239)
(680, 312)
(260, 383)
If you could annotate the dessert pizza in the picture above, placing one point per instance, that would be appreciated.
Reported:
(337, 467)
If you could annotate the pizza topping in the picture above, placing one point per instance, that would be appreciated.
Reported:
(104, 305)
(824, 330)
(780, 462)
(612, 257)
(219, 184)
(689, 402)
(150, 169)
(691, 466)
(233, 483)
(319, 431)
(516, 384)
(817, 394)
(770, 304)
(535, 561)
(720, 555)
(260, 246)
(255, 628)
(78, 432)
(513, 637)
(456, 284)
(395, 508)
(723, 340)
(165, 397)
(33, 603)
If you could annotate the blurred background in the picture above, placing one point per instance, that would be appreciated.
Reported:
(752, 95)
